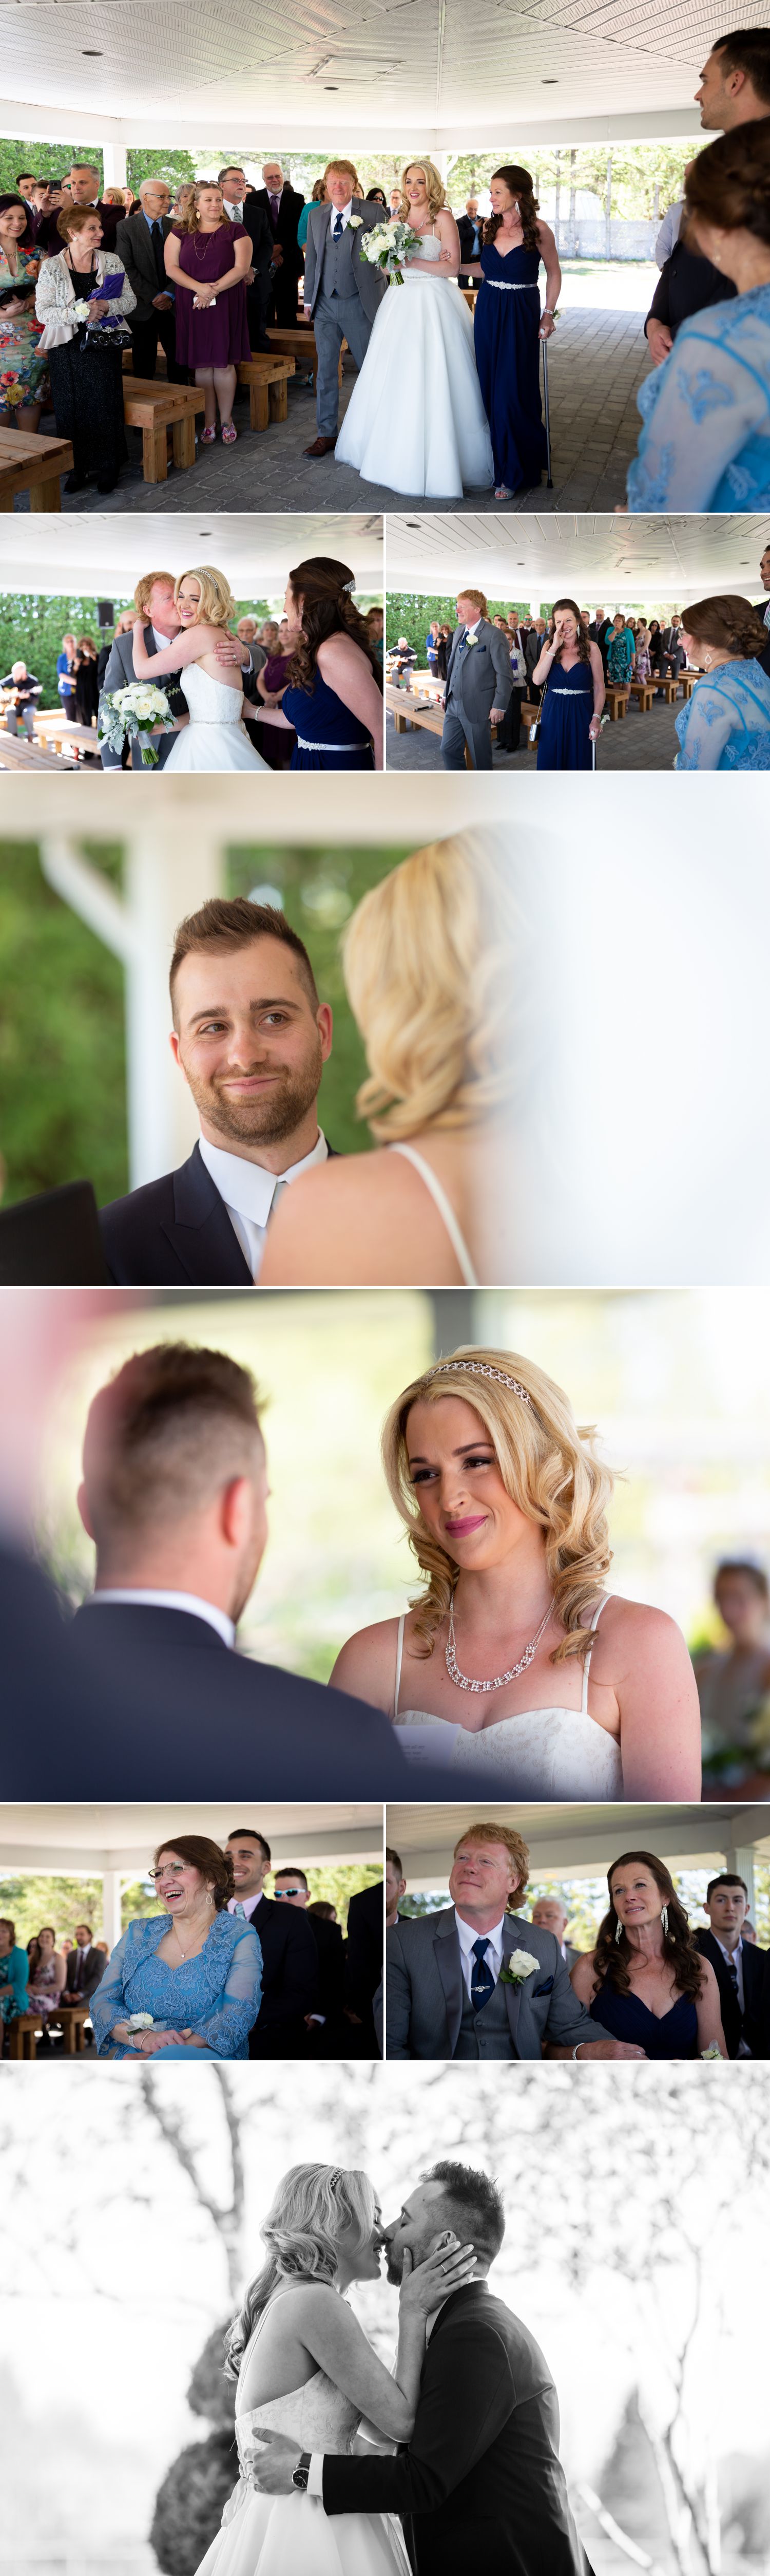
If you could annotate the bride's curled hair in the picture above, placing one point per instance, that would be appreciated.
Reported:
(434, 184)
(548, 1465)
(216, 606)
(313, 2208)
(429, 959)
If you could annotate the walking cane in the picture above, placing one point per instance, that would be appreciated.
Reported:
(544, 345)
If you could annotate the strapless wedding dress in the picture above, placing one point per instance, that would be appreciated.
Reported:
(292, 2535)
(415, 420)
(540, 1753)
(215, 737)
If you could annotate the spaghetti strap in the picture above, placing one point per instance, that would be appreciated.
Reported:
(587, 1658)
(399, 1654)
(440, 1201)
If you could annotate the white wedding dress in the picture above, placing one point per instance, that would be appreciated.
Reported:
(540, 1753)
(264, 2535)
(215, 737)
(415, 420)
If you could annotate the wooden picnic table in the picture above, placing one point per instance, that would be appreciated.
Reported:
(32, 465)
(408, 710)
(17, 752)
(267, 380)
(54, 729)
(154, 407)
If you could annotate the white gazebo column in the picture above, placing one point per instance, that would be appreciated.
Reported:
(114, 160)
(111, 1883)
(739, 1863)
(534, 608)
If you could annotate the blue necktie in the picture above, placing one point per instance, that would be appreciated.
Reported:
(463, 643)
(482, 1981)
(240, 1910)
(338, 229)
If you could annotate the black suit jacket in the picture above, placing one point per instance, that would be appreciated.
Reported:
(82, 1981)
(330, 1954)
(289, 211)
(133, 243)
(364, 1948)
(174, 1229)
(752, 2024)
(466, 231)
(256, 217)
(289, 1979)
(687, 284)
(49, 239)
(481, 2483)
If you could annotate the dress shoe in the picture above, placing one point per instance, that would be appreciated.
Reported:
(320, 447)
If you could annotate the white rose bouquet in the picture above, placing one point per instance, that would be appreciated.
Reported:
(125, 714)
(385, 245)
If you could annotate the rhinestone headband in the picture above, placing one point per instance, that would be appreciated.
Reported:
(480, 1368)
(335, 2177)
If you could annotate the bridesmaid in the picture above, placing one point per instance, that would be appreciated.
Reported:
(569, 672)
(333, 693)
(646, 1981)
(508, 326)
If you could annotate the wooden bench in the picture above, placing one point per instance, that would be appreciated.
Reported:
(301, 346)
(17, 752)
(267, 380)
(58, 735)
(156, 407)
(32, 465)
(22, 2035)
(670, 688)
(407, 710)
(644, 690)
(687, 680)
(616, 699)
(73, 2018)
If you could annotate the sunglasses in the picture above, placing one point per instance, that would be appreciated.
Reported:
(278, 1892)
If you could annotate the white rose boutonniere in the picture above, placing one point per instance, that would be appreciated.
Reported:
(140, 2021)
(713, 2051)
(520, 1965)
(470, 640)
(354, 223)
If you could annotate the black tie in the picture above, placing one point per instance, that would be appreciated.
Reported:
(338, 229)
(482, 1980)
(157, 248)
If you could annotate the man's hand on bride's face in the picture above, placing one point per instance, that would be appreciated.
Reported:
(271, 2469)
(448, 2268)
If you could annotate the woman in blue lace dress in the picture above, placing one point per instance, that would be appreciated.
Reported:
(334, 684)
(508, 326)
(727, 722)
(705, 443)
(188, 1982)
(646, 1982)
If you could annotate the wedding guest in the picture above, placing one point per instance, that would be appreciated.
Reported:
(174, 1496)
(289, 1951)
(642, 663)
(324, 2025)
(374, 622)
(395, 1887)
(86, 681)
(620, 651)
(645, 1980)
(469, 230)
(551, 1915)
(431, 644)
(273, 736)
(443, 649)
(14, 1976)
(333, 692)
(463, 1982)
(23, 364)
(726, 724)
(734, 90)
(395, 198)
(243, 205)
(20, 691)
(206, 260)
(363, 1971)
(80, 188)
(47, 199)
(498, 1487)
(140, 244)
(317, 197)
(570, 676)
(47, 1978)
(193, 1972)
(508, 329)
(85, 1967)
(534, 642)
(86, 382)
(728, 211)
(283, 205)
(657, 651)
(508, 734)
(65, 668)
(26, 184)
(739, 1968)
(184, 199)
(733, 1680)
(376, 197)
(326, 1913)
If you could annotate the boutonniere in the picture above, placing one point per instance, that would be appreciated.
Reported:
(713, 2051)
(520, 1965)
(470, 640)
(354, 223)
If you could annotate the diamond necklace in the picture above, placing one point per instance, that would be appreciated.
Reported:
(461, 1679)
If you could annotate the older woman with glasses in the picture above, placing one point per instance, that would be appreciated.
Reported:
(186, 1982)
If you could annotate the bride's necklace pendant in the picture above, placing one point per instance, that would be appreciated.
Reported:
(499, 1680)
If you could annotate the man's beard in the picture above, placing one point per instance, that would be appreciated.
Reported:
(260, 1118)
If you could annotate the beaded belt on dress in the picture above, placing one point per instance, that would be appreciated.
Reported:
(327, 746)
(506, 286)
(561, 693)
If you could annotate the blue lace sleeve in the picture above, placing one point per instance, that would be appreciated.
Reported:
(226, 2031)
(699, 410)
(710, 722)
(108, 2002)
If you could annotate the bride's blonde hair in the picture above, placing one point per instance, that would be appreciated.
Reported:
(434, 184)
(428, 958)
(548, 1465)
(216, 605)
(314, 2206)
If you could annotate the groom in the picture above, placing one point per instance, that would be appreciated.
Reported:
(480, 2483)
(478, 684)
(157, 608)
(342, 290)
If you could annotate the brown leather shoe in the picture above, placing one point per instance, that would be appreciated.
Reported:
(320, 447)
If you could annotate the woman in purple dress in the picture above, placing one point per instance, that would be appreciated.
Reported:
(207, 259)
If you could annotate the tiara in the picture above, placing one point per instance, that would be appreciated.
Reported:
(335, 2177)
(480, 1368)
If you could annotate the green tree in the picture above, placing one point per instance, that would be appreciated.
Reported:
(46, 160)
(410, 613)
(174, 166)
(62, 1048)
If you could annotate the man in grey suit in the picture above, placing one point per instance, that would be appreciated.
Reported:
(478, 1982)
(139, 242)
(155, 602)
(551, 1915)
(478, 684)
(342, 291)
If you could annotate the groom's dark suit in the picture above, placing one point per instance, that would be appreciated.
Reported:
(175, 1229)
(481, 2483)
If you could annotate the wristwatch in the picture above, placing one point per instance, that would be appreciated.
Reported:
(300, 2475)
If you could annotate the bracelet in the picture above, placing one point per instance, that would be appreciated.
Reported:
(580, 2043)
(551, 310)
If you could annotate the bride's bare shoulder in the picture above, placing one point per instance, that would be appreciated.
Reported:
(350, 1218)
(366, 1665)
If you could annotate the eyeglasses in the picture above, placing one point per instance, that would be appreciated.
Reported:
(165, 1872)
(278, 1892)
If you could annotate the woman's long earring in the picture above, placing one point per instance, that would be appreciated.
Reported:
(618, 1929)
(664, 1918)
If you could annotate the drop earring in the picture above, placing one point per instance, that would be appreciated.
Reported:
(618, 1930)
(664, 1919)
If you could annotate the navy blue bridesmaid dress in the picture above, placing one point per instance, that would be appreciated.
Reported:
(567, 706)
(675, 2034)
(328, 735)
(506, 323)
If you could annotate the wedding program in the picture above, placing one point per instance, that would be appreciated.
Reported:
(384, 1289)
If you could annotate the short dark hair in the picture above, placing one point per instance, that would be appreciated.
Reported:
(164, 1433)
(742, 1565)
(7, 1926)
(322, 1907)
(476, 2203)
(25, 174)
(86, 1927)
(726, 1878)
(225, 173)
(289, 1869)
(198, 1853)
(748, 50)
(229, 925)
(248, 1833)
(395, 1862)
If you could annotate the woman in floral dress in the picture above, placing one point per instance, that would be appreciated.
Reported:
(23, 372)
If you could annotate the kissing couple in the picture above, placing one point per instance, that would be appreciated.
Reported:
(349, 2470)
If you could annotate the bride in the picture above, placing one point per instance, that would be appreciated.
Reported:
(215, 737)
(416, 421)
(304, 2367)
(505, 1501)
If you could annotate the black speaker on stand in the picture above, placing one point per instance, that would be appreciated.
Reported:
(106, 612)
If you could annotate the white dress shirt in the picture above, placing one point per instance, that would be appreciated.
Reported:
(341, 213)
(734, 1958)
(493, 1954)
(249, 1192)
(188, 1601)
(668, 235)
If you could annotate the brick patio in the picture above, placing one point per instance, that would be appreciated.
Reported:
(597, 359)
(637, 742)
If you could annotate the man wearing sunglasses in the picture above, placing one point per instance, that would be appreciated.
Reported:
(289, 1954)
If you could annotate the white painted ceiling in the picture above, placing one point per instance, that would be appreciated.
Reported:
(124, 1837)
(106, 556)
(577, 1841)
(519, 558)
(339, 67)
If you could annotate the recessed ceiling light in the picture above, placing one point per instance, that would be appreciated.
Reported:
(91, 53)
(549, 84)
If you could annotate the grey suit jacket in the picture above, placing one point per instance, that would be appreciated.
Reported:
(119, 675)
(482, 678)
(357, 277)
(424, 1989)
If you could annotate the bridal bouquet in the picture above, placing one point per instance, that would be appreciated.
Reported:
(386, 245)
(124, 715)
